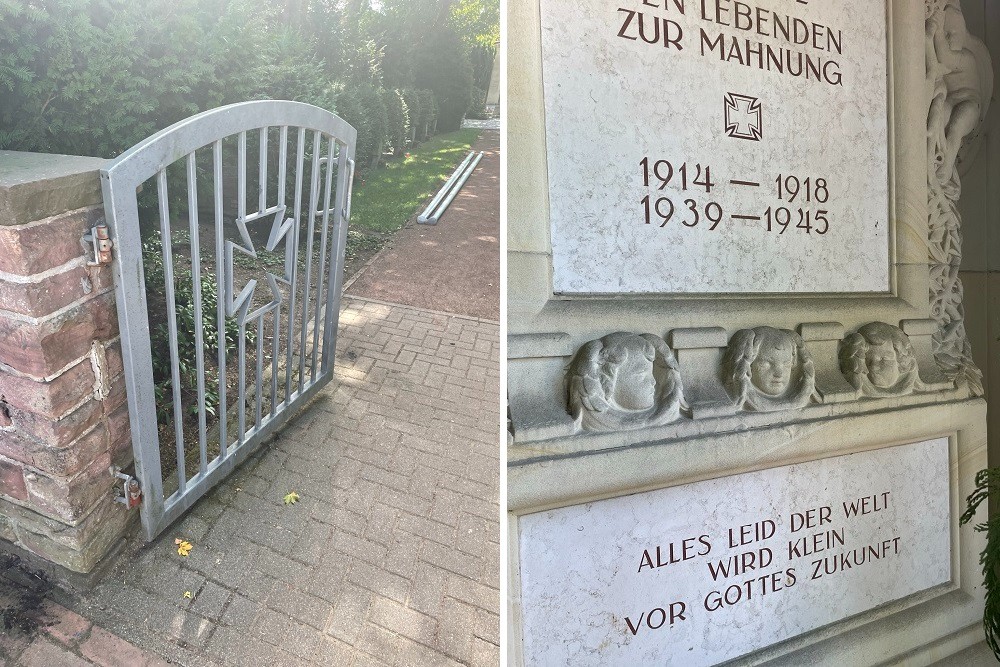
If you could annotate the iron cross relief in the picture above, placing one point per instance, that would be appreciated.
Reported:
(281, 230)
(743, 117)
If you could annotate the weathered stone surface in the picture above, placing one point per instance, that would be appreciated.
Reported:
(106, 531)
(69, 499)
(6, 529)
(120, 437)
(116, 394)
(69, 460)
(12, 480)
(882, 512)
(113, 354)
(61, 431)
(44, 348)
(49, 399)
(16, 446)
(39, 185)
(71, 536)
(49, 294)
(45, 244)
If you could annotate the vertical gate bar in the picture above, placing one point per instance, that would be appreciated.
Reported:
(332, 298)
(241, 176)
(297, 216)
(274, 361)
(282, 163)
(122, 215)
(282, 173)
(221, 296)
(241, 435)
(317, 147)
(175, 371)
(199, 343)
(241, 186)
(262, 186)
(260, 367)
(331, 146)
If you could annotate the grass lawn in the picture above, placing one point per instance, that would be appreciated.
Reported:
(390, 195)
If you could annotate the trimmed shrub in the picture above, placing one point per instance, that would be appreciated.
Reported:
(477, 109)
(398, 121)
(442, 65)
(94, 77)
(363, 106)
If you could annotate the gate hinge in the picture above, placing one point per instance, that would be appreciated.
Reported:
(101, 240)
(129, 494)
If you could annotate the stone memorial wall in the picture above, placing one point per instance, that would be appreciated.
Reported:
(772, 165)
(702, 573)
(743, 409)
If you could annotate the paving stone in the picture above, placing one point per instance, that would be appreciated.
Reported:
(45, 653)
(211, 600)
(392, 555)
(65, 626)
(301, 606)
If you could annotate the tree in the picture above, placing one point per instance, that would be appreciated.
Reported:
(441, 64)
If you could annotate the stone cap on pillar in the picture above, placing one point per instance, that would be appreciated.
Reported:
(39, 185)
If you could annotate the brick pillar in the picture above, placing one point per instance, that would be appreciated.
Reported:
(63, 415)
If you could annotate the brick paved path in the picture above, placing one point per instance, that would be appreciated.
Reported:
(454, 265)
(392, 555)
(39, 632)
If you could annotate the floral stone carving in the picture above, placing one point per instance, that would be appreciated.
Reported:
(879, 361)
(767, 369)
(959, 84)
(624, 381)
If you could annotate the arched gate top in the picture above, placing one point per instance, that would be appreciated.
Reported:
(170, 144)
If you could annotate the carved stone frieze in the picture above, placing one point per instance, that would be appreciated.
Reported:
(959, 85)
(767, 369)
(624, 381)
(879, 361)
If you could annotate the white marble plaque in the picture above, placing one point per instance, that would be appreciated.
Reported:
(706, 572)
(717, 146)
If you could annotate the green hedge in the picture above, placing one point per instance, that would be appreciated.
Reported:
(94, 77)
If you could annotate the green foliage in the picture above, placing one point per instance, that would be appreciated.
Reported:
(441, 64)
(359, 242)
(187, 325)
(422, 110)
(94, 77)
(987, 483)
(363, 106)
(388, 197)
(478, 107)
(398, 121)
(482, 66)
(477, 21)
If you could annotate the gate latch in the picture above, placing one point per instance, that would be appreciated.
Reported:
(130, 494)
(99, 238)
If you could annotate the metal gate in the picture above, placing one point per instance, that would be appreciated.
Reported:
(261, 350)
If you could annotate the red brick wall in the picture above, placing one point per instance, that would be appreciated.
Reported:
(63, 417)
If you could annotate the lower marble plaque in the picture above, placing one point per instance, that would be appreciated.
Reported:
(702, 573)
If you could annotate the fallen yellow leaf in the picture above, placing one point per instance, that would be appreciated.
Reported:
(187, 595)
(291, 498)
(183, 547)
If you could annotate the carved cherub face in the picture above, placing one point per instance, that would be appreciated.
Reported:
(883, 365)
(631, 364)
(771, 370)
